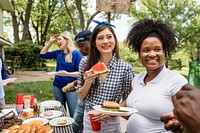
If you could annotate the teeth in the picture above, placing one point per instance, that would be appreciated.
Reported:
(152, 61)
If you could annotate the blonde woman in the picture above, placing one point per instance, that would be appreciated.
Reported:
(67, 62)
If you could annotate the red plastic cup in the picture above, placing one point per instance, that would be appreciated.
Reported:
(96, 126)
(19, 98)
(32, 100)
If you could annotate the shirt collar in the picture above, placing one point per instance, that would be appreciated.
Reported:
(112, 62)
(157, 78)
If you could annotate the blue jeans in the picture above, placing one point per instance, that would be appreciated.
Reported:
(71, 98)
(77, 126)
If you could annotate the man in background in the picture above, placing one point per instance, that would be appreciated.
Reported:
(82, 40)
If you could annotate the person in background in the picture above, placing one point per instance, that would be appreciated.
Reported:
(186, 112)
(67, 65)
(112, 86)
(154, 91)
(82, 40)
(3, 75)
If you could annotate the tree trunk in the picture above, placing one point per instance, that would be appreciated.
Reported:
(15, 24)
(80, 11)
(26, 33)
(90, 19)
(70, 16)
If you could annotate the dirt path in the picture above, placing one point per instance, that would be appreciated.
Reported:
(30, 76)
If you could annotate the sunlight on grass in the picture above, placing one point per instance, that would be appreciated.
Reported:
(42, 90)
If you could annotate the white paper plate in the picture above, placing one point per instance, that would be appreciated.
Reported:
(6, 111)
(37, 118)
(54, 114)
(50, 104)
(9, 80)
(54, 121)
(115, 113)
(51, 73)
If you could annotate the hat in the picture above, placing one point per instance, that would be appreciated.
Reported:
(83, 35)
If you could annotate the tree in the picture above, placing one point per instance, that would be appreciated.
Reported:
(182, 14)
(40, 18)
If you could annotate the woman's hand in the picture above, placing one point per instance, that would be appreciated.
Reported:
(99, 117)
(88, 76)
(62, 73)
(53, 37)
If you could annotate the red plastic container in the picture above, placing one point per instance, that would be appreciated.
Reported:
(96, 126)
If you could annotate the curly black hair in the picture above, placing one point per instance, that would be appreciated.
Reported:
(146, 28)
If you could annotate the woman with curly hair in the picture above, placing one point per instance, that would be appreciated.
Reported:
(154, 91)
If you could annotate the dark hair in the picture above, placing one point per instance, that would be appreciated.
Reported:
(150, 28)
(94, 54)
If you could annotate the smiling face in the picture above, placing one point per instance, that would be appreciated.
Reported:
(105, 41)
(152, 54)
(62, 42)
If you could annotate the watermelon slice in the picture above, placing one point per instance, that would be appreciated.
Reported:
(99, 68)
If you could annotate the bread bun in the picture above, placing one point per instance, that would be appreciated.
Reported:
(13, 131)
(36, 122)
(68, 86)
(45, 129)
(110, 105)
(48, 113)
(13, 127)
(62, 122)
(5, 131)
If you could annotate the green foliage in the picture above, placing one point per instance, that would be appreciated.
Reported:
(182, 14)
(127, 55)
(175, 64)
(42, 90)
(28, 53)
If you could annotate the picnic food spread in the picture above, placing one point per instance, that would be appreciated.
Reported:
(29, 128)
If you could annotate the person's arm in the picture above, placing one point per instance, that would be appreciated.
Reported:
(171, 123)
(187, 108)
(65, 73)
(4, 73)
(48, 45)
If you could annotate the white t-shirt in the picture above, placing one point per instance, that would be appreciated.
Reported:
(152, 100)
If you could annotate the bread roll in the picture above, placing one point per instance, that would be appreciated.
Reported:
(48, 113)
(68, 86)
(13, 131)
(5, 131)
(13, 127)
(110, 105)
(45, 129)
(62, 122)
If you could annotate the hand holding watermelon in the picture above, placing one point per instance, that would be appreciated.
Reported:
(89, 76)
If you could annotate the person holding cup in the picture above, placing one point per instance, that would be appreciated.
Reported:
(112, 86)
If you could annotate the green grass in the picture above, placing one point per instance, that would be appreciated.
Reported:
(42, 90)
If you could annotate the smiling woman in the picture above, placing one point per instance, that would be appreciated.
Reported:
(67, 64)
(154, 91)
